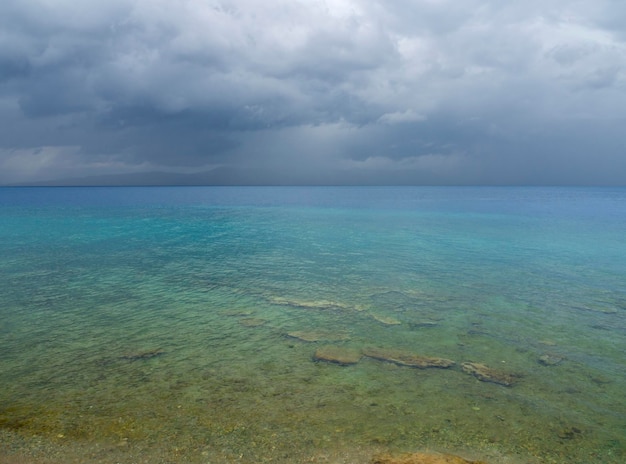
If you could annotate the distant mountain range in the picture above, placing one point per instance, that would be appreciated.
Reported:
(224, 176)
(218, 176)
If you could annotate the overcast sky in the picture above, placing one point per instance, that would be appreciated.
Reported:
(314, 91)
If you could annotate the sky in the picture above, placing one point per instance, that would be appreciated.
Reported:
(370, 92)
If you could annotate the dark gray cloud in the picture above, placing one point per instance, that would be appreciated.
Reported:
(335, 91)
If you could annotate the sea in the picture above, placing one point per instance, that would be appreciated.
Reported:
(312, 324)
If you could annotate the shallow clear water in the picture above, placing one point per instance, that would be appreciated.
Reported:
(156, 321)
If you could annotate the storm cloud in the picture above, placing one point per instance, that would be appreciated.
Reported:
(313, 92)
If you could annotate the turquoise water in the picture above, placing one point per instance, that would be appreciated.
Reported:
(181, 324)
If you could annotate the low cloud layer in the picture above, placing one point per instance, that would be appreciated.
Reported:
(313, 91)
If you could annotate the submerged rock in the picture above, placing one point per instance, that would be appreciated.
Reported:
(312, 304)
(317, 336)
(238, 312)
(387, 320)
(487, 374)
(394, 300)
(413, 325)
(423, 458)
(570, 433)
(142, 355)
(550, 359)
(405, 358)
(478, 331)
(338, 355)
(547, 342)
(252, 322)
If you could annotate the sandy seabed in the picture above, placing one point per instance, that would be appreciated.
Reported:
(16, 449)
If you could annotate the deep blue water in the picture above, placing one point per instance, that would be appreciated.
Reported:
(112, 297)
